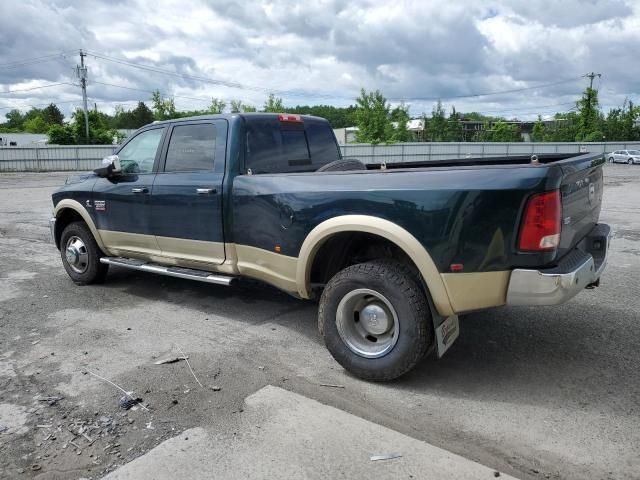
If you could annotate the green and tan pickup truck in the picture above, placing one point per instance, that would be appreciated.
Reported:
(393, 253)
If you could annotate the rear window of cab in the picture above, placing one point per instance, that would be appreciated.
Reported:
(274, 146)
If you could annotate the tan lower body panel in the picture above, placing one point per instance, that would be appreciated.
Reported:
(474, 291)
(134, 242)
(192, 250)
(274, 268)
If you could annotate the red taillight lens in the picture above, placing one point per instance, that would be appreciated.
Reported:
(540, 229)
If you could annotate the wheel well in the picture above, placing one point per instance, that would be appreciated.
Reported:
(349, 248)
(64, 218)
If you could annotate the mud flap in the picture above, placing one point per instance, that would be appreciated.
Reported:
(446, 333)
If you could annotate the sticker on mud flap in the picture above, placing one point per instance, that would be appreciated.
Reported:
(447, 333)
(100, 205)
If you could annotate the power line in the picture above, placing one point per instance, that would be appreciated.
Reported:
(32, 60)
(528, 108)
(38, 105)
(241, 86)
(36, 88)
(151, 91)
(223, 83)
(485, 94)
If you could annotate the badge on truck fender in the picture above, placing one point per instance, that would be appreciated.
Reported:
(447, 333)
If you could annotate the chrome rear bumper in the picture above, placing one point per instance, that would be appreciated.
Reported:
(575, 271)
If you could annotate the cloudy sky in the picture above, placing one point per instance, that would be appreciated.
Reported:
(323, 52)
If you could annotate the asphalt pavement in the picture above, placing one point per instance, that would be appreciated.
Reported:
(530, 392)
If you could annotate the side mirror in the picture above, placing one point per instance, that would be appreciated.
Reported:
(110, 165)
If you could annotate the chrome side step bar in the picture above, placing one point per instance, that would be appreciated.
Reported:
(179, 272)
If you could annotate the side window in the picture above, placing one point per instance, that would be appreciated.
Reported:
(139, 154)
(191, 148)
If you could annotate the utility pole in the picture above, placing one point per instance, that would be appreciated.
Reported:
(81, 71)
(591, 76)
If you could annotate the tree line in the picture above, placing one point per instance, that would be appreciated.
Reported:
(377, 121)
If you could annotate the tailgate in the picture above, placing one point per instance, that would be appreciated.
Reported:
(581, 191)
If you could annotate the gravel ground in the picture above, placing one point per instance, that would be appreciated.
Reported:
(534, 392)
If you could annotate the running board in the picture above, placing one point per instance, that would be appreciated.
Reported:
(179, 272)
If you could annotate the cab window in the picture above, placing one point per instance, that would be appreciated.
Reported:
(139, 154)
(191, 148)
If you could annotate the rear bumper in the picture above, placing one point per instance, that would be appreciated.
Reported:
(575, 271)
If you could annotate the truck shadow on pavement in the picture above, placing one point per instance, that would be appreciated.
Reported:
(533, 356)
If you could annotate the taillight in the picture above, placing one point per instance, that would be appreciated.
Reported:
(289, 117)
(540, 228)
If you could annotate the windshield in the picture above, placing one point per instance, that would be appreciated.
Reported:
(634, 152)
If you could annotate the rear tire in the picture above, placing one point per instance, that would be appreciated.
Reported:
(375, 320)
(81, 255)
(610, 159)
(630, 161)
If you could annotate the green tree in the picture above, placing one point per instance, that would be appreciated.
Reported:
(538, 134)
(15, 119)
(217, 105)
(62, 135)
(629, 117)
(141, 116)
(163, 108)
(372, 118)
(400, 117)
(52, 115)
(99, 131)
(338, 117)
(454, 131)
(589, 126)
(273, 104)
(613, 125)
(436, 126)
(501, 131)
(36, 125)
(238, 107)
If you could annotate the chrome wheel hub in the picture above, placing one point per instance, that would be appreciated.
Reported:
(77, 255)
(367, 323)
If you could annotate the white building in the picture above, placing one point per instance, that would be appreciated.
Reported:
(22, 139)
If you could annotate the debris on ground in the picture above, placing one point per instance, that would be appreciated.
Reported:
(170, 360)
(3, 428)
(35, 342)
(388, 456)
(331, 385)
(186, 359)
(215, 388)
(127, 401)
(51, 399)
(136, 401)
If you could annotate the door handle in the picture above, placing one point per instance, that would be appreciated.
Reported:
(140, 190)
(205, 191)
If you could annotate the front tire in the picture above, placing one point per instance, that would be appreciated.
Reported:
(375, 320)
(610, 159)
(630, 161)
(81, 255)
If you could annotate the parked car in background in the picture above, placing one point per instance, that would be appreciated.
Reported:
(625, 156)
